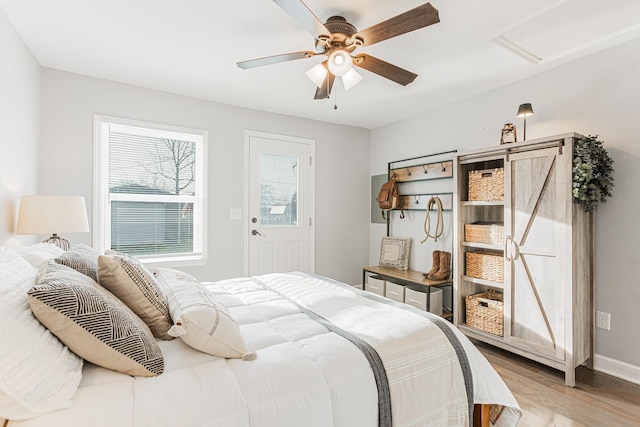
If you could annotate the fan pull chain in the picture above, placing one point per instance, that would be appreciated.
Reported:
(335, 99)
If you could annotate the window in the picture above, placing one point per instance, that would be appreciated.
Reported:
(149, 194)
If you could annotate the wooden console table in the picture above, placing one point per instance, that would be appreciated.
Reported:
(409, 278)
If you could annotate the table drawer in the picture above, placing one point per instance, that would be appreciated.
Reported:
(394, 292)
(375, 285)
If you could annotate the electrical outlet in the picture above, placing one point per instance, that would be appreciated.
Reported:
(603, 320)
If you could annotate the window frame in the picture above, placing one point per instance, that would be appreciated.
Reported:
(102, 197)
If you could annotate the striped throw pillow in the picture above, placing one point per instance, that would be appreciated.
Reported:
(134, 285)
(95, 324)
(81, 258)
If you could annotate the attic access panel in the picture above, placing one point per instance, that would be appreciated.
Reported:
(572, 26)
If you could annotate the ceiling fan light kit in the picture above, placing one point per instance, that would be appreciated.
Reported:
(337, 39)
(340, 62)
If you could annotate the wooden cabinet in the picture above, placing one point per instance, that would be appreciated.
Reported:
(546, 250)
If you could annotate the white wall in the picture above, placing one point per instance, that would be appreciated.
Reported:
(342, 165)
(598, 94)
(19, 129)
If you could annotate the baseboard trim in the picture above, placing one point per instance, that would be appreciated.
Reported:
(617, 368)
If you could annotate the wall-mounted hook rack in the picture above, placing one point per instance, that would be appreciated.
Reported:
(413, 202)
(421, 169)
(434, 170)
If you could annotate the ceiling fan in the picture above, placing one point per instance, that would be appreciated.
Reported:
(338, 39)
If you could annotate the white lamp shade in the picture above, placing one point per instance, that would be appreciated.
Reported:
(340, 62)
(317, 74)
(52, 214)
(350, 79)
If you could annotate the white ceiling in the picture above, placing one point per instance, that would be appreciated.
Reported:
(191, 47)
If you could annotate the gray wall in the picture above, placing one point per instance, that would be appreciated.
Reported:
(342, 164)
(19, 129)
(598, 94)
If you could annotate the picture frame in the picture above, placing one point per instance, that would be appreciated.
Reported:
(394, 252)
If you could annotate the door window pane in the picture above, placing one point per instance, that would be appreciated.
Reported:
(278, 190)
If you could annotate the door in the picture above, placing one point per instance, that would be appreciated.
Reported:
(536, 222)
(280, 204)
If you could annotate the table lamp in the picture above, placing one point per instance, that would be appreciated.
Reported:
(52, 214)
(523, 111)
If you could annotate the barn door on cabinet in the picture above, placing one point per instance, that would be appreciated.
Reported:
(536, 221)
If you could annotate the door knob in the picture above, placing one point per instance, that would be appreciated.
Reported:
(256, 233)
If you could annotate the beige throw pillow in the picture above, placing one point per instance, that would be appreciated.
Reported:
(200, 320)
(94, 324)
(129, 280)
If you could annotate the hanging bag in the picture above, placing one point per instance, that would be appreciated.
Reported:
(388, 196)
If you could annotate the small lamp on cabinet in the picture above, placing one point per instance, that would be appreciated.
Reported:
(523, 111)
(52, 215)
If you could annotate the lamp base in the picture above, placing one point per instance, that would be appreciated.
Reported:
(58, 241)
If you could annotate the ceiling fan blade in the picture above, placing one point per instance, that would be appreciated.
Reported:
(324, 91)
(411, 20)
(304, 16)
(384, 69)
(268, 60)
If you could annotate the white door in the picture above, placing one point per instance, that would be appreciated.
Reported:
(279, 226)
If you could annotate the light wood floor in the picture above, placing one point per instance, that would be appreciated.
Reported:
(597, 400)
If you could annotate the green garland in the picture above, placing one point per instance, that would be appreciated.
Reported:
(592, 173)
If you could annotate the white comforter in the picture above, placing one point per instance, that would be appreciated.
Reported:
(304, 373)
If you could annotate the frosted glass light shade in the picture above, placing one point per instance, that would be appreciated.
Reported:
(317, 74)
(52, 214)
(340, 62)
(350, 79)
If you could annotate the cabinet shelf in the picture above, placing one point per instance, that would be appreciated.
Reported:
(483, 282)
(482, 246)
(483, 203)
(477, 333)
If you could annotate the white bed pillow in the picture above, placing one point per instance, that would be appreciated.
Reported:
(37, 373)
(199, 319)
(39, 254)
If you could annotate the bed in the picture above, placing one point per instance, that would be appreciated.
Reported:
(309, 351)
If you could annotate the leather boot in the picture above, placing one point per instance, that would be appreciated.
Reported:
(435, 264)
(444, 267)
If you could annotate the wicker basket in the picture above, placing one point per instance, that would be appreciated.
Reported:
(484, 232)
(486, 185)
(485, 311)
(485, 265)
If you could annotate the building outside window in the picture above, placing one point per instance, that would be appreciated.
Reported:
(149, 190)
